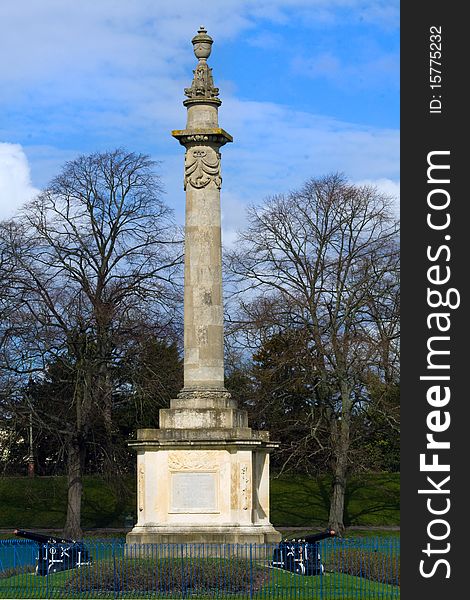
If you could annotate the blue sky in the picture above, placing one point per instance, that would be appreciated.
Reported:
(308, 87)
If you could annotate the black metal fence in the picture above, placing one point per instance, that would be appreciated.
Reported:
(333, 569)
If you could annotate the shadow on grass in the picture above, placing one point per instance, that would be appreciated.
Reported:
(371, 500)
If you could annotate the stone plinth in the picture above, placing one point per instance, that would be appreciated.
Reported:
(203, 486)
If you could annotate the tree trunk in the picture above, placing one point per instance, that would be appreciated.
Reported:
(103, 389)
(341, 443)
(75, 461)
(335, 520)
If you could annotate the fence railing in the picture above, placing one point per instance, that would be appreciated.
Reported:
(333, 569)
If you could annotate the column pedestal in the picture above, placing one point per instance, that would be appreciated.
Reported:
(203, 486)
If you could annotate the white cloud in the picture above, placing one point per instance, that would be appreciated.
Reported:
(83, 58)
(385, 186)
(233, 218)
(100, 40)
(266, 40)
(277, 148)
(15, 180)
(388, 188)
(382, 69)
(46, 162)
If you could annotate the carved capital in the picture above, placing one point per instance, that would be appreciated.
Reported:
(214, 135)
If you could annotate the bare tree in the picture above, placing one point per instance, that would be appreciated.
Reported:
(323, 261)
(94, 256)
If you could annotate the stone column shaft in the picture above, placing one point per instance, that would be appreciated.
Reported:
(203, 309)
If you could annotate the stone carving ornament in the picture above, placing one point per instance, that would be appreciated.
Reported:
(202, 165)
(244, 486)
(194, 460)
(207, 394)
(202, 85)
(141, 487)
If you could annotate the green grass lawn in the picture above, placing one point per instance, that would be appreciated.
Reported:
(329, 587)
(40, 502)
(280, 585)
(372, 500)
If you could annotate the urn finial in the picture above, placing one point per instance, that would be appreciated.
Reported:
(202, 86)
(202, 44)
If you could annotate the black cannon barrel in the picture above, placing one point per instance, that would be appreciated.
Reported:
(42, 539)
(56, 554)
(310, 539)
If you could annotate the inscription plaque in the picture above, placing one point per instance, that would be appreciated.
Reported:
(193, 492)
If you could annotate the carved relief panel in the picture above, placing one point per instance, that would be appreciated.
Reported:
(201, 166)
(141, 487)
(245, 486)
(193, 460)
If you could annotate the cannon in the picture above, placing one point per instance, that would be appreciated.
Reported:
(301, 556)
(55, 553)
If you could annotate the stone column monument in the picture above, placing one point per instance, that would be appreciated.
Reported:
(203, 476)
